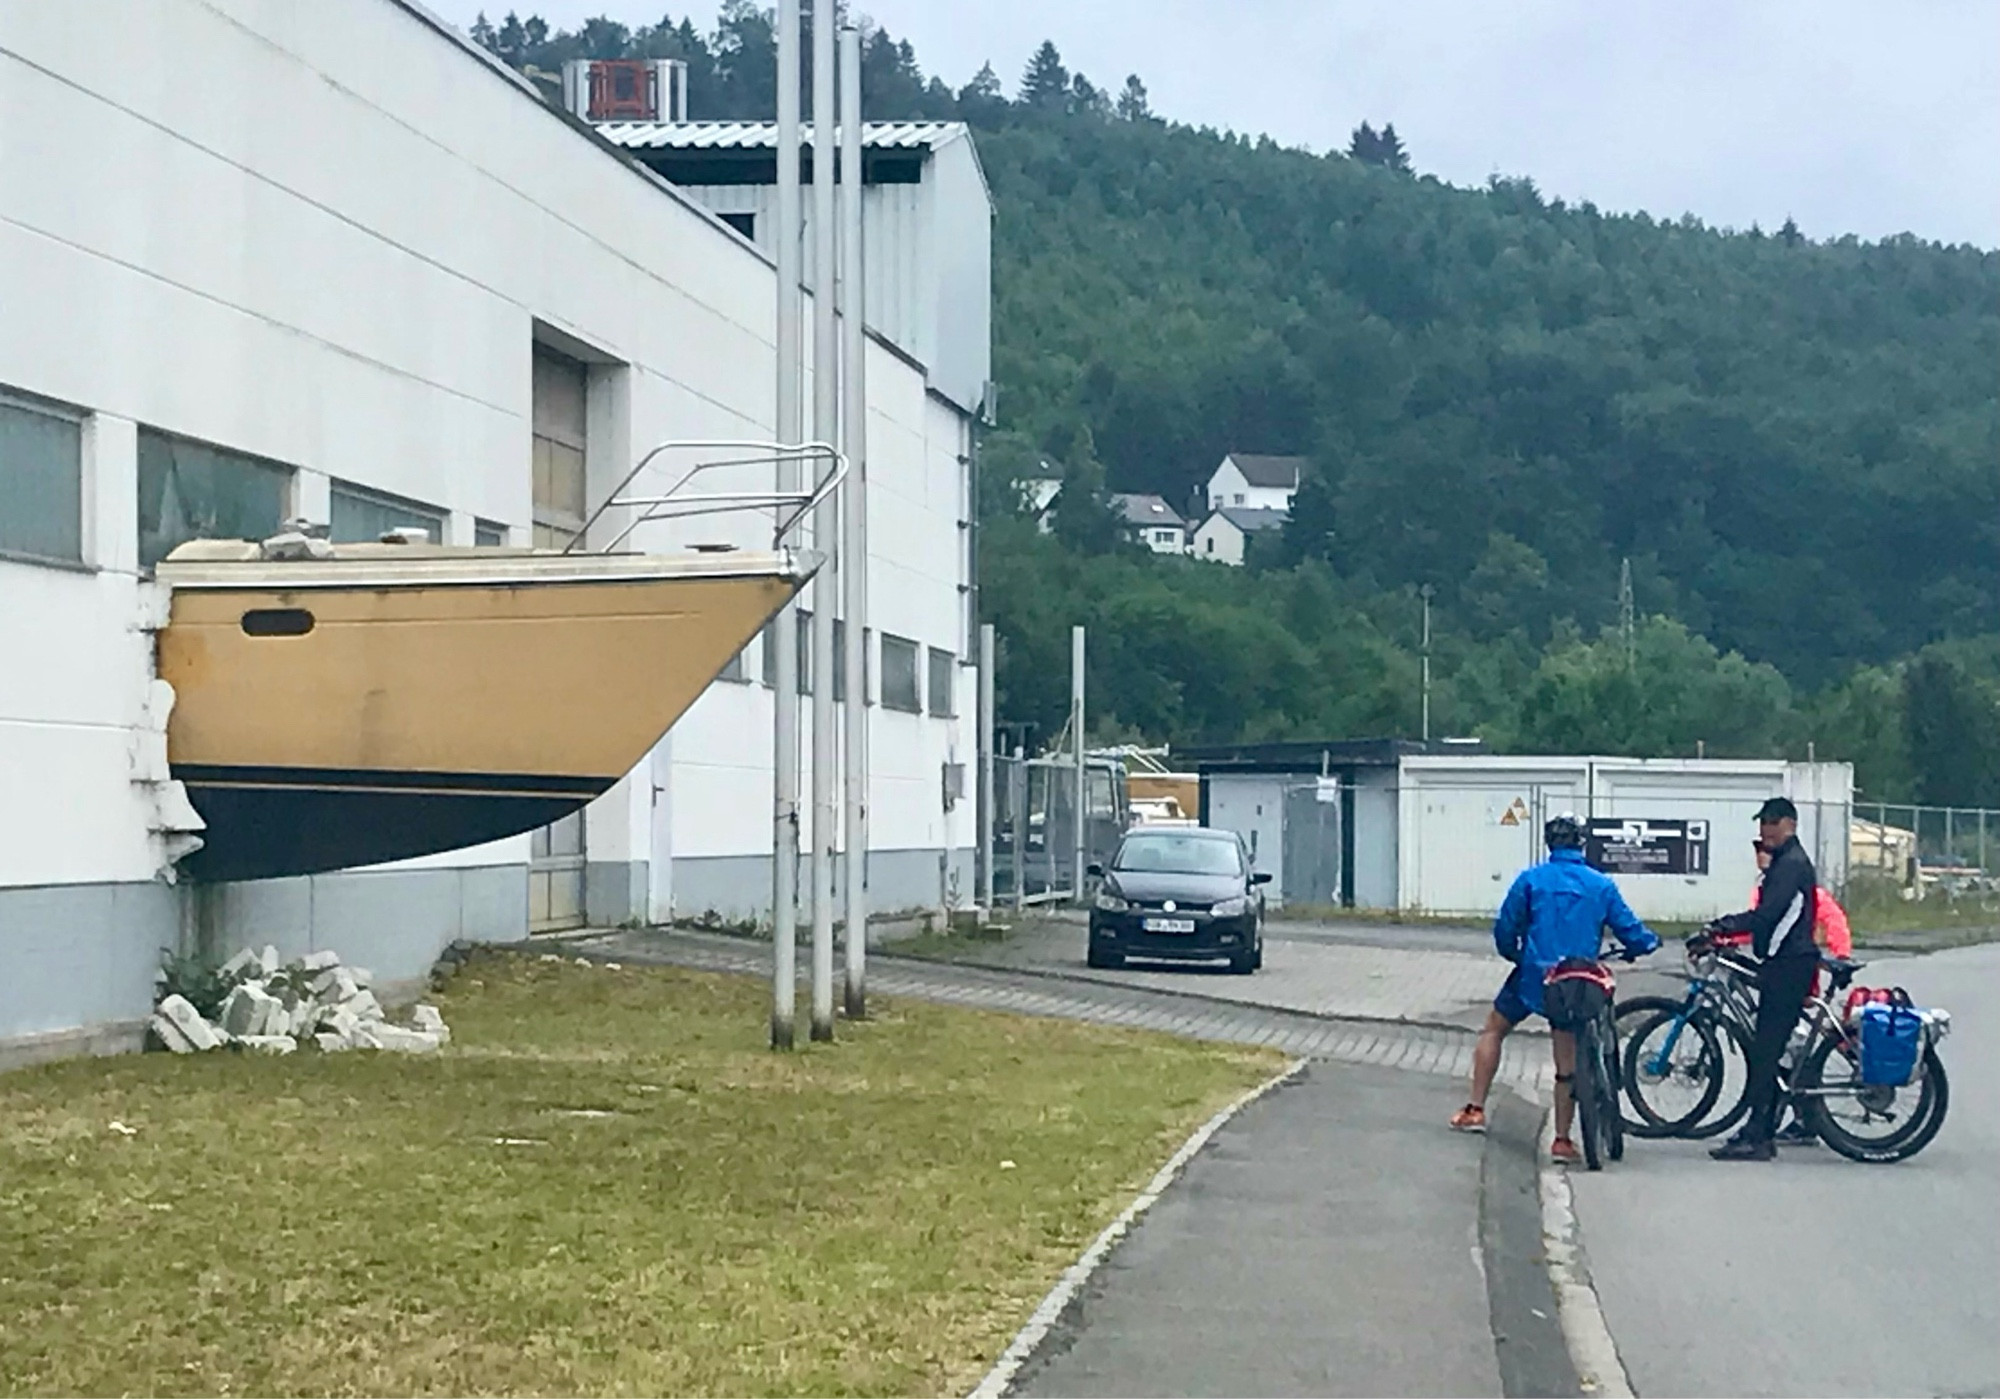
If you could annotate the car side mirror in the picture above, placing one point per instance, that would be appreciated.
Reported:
(1260, 876)
(1095, 871)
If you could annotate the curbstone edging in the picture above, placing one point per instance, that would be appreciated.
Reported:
(1022, 1348)
(1585, 1332)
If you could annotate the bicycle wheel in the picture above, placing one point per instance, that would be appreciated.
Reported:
(1586, 1090)
(1735, 1074)
(1607, 1085)
(1877, 1123)
(1672, 1072)
(1628, 1015)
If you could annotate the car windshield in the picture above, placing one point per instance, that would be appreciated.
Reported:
(1170, 852)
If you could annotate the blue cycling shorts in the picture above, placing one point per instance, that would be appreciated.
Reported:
(1509, 1003)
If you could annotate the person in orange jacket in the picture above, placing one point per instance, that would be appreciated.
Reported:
(1835, 939)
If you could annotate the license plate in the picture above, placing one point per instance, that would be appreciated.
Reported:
(1169, 925)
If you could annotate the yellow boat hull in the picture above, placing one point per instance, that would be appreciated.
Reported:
(330, 714)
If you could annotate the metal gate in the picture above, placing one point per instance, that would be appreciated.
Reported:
(1311, 844)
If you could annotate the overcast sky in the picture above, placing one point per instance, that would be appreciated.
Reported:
(1853, 116)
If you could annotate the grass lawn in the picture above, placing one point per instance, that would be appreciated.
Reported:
(607, 1184)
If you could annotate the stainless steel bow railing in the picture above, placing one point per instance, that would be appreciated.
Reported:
(787, 507)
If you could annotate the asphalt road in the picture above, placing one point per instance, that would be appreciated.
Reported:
(1816, 1275)
(1331, 1240)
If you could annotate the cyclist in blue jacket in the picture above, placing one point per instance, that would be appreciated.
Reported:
(1554, 910)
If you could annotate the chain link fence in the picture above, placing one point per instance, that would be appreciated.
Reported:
(1927, 849)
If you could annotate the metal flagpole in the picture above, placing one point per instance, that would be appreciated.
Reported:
(1076, 736)
(826, 526)
(986, 768)
(784, 627)
(854, 544)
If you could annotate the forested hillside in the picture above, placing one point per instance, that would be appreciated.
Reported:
(1796, 445)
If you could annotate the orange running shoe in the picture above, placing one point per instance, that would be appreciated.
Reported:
(1470, 1118)
(1563, 1152)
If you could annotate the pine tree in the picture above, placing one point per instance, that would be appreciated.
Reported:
(1390, 149)
(1045, 84)
(1789, 235)
(1364, 145)
(1087, 99)
(481, 32)
(1132, 104)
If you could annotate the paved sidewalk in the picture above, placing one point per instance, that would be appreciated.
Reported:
(1138, 1000)
(1325, 1243)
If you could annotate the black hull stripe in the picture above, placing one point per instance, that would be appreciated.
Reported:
(391, 780)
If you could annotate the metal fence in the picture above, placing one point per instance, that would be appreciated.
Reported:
(1034, 825)
(1948, 848)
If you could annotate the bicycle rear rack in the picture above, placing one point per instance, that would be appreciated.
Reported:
(787, 507)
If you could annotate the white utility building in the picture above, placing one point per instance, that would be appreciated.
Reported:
(334, 261)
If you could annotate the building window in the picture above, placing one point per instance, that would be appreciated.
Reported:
(768, 645)
(41, 480)
(1239, 497)
(488, 535)
(735, 670)
(839, 660)
(361, 516)
(899, 675)
(190, 490)
(560, 392)
(943, 675)
(1208, 545)
(745, 224)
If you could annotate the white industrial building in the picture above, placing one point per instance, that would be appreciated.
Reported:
(333, 261)
(1390, 824)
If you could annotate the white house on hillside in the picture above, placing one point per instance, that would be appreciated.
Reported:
(1224, 537)
(1152, 522)
(1038, 489)
(1248, 481)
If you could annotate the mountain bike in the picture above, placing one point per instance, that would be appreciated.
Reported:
(1679, 1056)
(1578, 997)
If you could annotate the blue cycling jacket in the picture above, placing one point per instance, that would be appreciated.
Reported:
(1559, 909)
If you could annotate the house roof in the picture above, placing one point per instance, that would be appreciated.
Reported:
(1280, 472)
(1250, 520)
(1042, 470)
(1147, 510)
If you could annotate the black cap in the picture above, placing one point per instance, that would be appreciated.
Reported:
(1778, 809)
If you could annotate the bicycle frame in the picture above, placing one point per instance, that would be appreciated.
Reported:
(1724, 985)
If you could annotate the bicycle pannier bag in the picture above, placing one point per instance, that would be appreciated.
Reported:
(1892, 1041)
(1574, 993)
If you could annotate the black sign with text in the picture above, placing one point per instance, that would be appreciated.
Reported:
(1643, 845)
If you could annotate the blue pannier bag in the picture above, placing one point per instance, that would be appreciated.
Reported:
(1892, 1040)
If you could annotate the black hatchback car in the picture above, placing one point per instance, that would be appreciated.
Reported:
(1181, 892)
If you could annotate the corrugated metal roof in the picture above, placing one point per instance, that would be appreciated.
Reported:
(763, 135)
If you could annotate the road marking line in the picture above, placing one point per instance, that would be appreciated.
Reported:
(1045, 1316)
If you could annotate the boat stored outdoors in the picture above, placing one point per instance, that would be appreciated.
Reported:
(381, 701)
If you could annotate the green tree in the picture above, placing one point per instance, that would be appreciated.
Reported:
(1045, 83)
(1132, 104)
(1084, 517)
(1952, 721)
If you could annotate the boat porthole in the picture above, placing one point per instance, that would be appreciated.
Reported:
(277, 621)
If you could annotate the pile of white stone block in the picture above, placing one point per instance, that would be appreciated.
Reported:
(277, 1008)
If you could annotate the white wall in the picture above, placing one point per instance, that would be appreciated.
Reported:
(328, 235)
(1459, 850)
(1218, 541)
(1228, 483)
(927, 257)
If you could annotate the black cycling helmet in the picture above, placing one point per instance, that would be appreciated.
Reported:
(1564, 831)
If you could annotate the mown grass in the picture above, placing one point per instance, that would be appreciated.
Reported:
(606, 1185)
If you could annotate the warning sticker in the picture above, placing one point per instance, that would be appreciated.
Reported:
(1516, 812)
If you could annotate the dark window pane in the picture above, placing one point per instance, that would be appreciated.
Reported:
(943, 675)
(900, 686)
(839, 660)
(190, 490)
(486, 534)
(364, 516)
(41, 481)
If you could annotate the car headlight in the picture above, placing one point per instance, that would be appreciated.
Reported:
(1231, 908)
(1110, 902)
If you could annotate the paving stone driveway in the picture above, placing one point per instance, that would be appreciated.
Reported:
(1293, 1023)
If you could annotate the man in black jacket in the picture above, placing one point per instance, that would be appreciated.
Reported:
(1780, 930)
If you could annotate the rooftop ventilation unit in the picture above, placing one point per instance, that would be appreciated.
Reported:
(626, 89)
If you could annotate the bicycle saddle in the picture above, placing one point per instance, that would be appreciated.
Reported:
(1841, 970)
